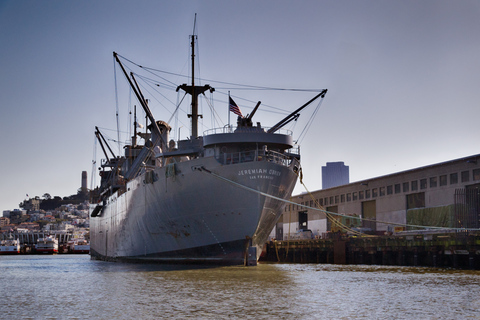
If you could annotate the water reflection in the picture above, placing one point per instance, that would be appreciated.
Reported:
(74, 286)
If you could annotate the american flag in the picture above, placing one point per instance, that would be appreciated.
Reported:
(234, 108)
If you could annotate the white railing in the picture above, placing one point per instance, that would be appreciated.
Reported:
(231, 129)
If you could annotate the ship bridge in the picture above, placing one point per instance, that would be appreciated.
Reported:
(248, 135)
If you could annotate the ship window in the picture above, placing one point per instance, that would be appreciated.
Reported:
(433, 182)
(465, 176)
(453, 178)
(443, 180)
(423, 183)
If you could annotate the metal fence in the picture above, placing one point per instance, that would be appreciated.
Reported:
(467, 208)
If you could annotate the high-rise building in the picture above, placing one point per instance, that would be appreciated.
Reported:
(335, 174)
(84, 181)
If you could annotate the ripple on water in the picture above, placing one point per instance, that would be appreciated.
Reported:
(75, 287)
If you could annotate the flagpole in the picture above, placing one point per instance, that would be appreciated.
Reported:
(228, 110)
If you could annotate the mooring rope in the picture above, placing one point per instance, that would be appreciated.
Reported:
(203, 169)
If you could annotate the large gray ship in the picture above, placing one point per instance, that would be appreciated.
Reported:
(212, 199)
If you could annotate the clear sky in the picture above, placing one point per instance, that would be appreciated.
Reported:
(403, 78)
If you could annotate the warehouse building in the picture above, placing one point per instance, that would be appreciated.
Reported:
(443, 195)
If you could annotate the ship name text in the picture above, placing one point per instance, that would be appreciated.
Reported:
(260, 173)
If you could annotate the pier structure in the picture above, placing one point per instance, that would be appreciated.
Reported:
(429, 249)
(28, 240)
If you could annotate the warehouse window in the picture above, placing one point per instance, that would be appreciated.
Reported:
(397, 188)
(423, 183)
(349, 197)
(443, 180)
(342, 198)
(405, 187)
(453, 178)
(433, 182)
(416, 200)
(382, 191)
(389, 189)
(367, 194)
(465, 176)
(354, 196)
(374, 193)
(414, 185)
(360, 195)
(476, 174)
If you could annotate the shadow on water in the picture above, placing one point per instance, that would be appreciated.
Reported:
(147, 267)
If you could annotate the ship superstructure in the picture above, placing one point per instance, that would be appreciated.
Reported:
(209, 199)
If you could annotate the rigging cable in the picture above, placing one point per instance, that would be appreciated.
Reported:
(203, 169)
(93, 181)
(216, 117)
(329, 216)
(309, 123)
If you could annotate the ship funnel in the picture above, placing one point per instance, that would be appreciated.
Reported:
(164, 132)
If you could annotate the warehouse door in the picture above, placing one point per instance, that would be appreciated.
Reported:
(303, 220)
(369, 212)
(279, 231)
(333, 209)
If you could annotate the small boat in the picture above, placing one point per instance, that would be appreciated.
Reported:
(80, 246)
(47, 245)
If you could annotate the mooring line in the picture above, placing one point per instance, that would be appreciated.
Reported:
(203, 169)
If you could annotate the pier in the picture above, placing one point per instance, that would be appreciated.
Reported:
(445, 250)
(28, 240)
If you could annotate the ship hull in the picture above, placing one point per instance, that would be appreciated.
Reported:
(9, 250)
(47, 251)
(194, 211)
(81, 249)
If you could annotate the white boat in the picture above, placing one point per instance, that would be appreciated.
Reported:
(9, 247)
(80, 246)
(47, 245)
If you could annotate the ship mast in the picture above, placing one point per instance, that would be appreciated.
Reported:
(193, 90)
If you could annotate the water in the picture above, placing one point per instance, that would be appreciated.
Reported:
(75, 287)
